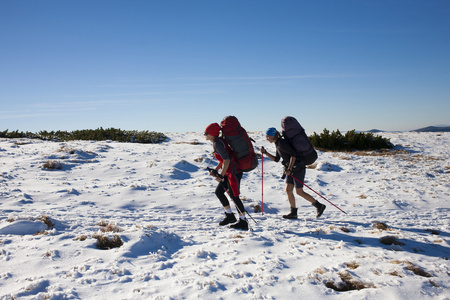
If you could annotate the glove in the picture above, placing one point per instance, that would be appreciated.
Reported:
(216, 174)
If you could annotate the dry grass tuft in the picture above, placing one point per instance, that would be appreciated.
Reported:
(398, 262)
(377, 272)
(257, 208)
(412, 267)
(395, 273)
(360, 241)
(344, 229)
(21, 143)
(66, 149)
(106, 243)
(381, 226)
(190, 143)
(109, 227)
(433, 231)
(383, 152)
(352, 265)
(81, 238)
(417, 270)
(348, 283)
(42, 232)
(243, 198)
(390, 240)
(313, 166)
(248, 262)
(52, 165)
(433, 283)
(46, 220)
(320, 270)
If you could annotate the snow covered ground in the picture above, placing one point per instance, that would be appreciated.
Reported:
(160, 201)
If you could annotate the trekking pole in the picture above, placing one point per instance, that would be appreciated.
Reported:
(318, 194)
(248, 214)
(262, 182)
(226, 190)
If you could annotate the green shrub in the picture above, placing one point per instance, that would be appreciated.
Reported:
(350, 141)
(14, 134)
(99, 134)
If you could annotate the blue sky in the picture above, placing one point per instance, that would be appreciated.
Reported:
(180, 65)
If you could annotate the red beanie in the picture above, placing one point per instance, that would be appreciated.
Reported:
(213, 129)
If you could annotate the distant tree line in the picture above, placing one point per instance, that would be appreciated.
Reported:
(100, 134)
(350, 141)
(334, 141)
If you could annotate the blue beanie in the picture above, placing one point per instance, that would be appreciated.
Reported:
(271, 131)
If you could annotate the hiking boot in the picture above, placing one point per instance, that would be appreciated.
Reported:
(320, 208)
(292, 214)
(229, 218)
(242, 224)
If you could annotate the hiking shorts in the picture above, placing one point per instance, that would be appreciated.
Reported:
(298, 173)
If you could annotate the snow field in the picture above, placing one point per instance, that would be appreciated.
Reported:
(160, 201)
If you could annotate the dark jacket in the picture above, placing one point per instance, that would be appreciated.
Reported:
(285, 151)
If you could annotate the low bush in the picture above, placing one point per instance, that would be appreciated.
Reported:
(350, 141)
(100, 134)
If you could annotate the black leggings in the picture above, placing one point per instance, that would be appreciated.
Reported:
(223, 187)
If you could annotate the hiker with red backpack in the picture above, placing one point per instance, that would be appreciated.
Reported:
(296, 152)
(229, 178)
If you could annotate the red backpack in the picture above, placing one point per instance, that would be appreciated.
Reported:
(239, 141)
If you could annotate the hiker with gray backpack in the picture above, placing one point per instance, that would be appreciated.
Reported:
(296, 152)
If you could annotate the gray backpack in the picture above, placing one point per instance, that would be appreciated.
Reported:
(294, 133)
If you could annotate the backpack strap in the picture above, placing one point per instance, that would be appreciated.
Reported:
(227, 148)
